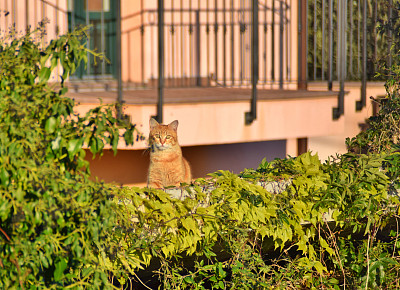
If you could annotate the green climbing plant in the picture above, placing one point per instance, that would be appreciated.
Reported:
(53, 218)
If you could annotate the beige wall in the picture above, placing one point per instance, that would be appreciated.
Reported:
(332, 143)
(223, 122)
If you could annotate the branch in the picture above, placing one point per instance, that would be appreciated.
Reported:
(4, 233)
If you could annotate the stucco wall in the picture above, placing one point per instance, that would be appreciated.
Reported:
(331, 143)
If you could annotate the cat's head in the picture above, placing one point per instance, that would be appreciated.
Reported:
(163, 137)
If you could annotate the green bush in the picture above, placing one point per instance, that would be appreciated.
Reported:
(54, 220)
(327, 229)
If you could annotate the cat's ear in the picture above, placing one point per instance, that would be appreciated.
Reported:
(153, 123)
(174, 125)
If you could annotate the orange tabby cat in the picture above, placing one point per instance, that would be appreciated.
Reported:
(167, 165)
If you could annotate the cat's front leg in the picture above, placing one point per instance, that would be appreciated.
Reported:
(154, 184)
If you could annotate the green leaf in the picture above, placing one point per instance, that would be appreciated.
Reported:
(63, 91)
(60, 268)
(4, 176)
(189, 280)
(325, 245)
(73, 146)
(19, 194)
(50, 125)
(44, 74)
(53, 63)
(189, 224)
(55, 144)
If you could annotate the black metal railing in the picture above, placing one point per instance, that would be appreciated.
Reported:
(208, 43)
(325, 30)
(345, 43)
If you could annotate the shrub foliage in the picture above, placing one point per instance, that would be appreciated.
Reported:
(331, 227)
(53, 219)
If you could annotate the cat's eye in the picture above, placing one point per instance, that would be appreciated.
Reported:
(168, 137)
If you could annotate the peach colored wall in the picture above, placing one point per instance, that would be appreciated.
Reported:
(131, 44)
(221, 123)
(329, 144)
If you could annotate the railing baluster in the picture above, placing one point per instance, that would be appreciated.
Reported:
(57, 27)
(358, 38)
(197, 53)
(252, 115)
(242, 30)
(323, 41)
(363, 100)
(330, 62)
(72, 15)
(183, 69)
(190, 45)
(13, 7)
(375, 34)
(390, 34)
(224, 42)
(143, 57)
(265, 45)
(216, 39)
(167, 51)
(273, 43)
(27, 15)
(288, 42)
(232, 44)
(281, 31)
(315, 41)
(351, 40)
(87, 20)
(152, 53)
(208, 41)
(302, 44)
(160, 90)
(119, 62)
(246, 42)
(339, 110)
(172, 32)
(102, 41)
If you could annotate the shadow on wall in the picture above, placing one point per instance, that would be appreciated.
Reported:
(232, 157)
(127, 167)
(130, 166)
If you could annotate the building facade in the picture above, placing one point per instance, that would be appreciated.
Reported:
(246, 79)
